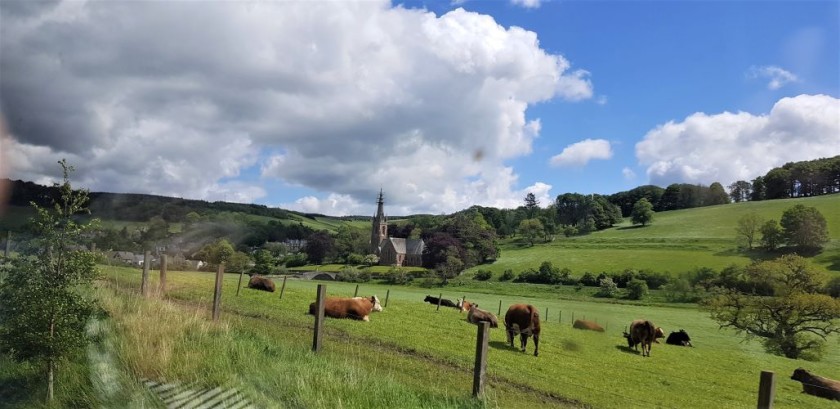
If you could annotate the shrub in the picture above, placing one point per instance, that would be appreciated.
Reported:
(654, 280)
(607, 289)
(680, 290)
(832, 288)
(355, 259)
(588, 279)
(637, 289)
(483, 275)
(295, 260)
(507, 275)
(397, 276)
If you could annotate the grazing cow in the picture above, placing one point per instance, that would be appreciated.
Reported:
(477, 315)
(525, 320)
(258, 282)
(443, 301)
(463, 304)
(588, 325)
(680, 338)
(358, 308)
(817, 385)
(659, 333)
(641, 332)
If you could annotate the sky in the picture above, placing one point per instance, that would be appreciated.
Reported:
(316, 106)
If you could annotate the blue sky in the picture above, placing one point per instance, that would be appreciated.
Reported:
(317, 106)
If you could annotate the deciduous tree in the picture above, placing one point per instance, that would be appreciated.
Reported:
(748, 228)
(642, 212)
(804, 226)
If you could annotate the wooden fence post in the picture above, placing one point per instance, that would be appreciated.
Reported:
(163, 261)
(320, 298)
(500, 308)
(238, 286)
(283, 288)
(356, 293)
(546, 314)
(439, 298)
(388, 294)
(766, 390)
(573, 317)
(560, 317)
(144, 282)
(8, 243)
(480, 358)
(217, 294)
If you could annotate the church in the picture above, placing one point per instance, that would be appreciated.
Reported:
(393, 251)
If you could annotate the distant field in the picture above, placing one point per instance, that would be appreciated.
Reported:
(428, 352)
(676, 241)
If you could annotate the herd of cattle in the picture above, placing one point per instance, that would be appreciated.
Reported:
(524, 319)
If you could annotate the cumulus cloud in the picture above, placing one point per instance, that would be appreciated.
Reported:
(528, 4)
(628, 173)
(340, 97)
(727, 147)
(580, 153)
(778, 77)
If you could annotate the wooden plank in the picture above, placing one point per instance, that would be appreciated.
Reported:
(319, 317)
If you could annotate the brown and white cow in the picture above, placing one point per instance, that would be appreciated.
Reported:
(641, 332)
(524, 320)
(588, 325)
(658, 333)
(817, 385)
(358, 308)
(258, 282)
(477, 315)
(463, 304)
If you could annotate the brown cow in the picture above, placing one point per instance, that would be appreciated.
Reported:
(817, 385)
(589, 325)
(358, 308)
(463, 304)
(641, 332)
(658, 333)
(258, 282)
(477, 315)
(525, 320)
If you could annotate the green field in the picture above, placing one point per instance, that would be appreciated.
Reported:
(675, 242)
(427, 355)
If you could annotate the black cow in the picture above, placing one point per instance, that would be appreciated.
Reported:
(680, 338)
(443, 301)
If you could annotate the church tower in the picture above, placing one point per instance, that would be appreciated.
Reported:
(379, 230)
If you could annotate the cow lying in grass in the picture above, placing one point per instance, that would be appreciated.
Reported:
(258, 282)
(817, 385)
(641, 332)
(524, 320)
(587, 325)
(680, 338)
(477, 315)
(464, 305)
(357, 308)
(443, 301)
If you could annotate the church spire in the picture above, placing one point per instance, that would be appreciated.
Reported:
(379, 228)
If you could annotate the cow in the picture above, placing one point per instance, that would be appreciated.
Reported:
(477, 315)
(443, 301)
(680, 338)
(817, 385)
(463, 305)
(358, 308)
(641, 332)
(258, 282)
(525, 320)
(588, 325)
(658, 333)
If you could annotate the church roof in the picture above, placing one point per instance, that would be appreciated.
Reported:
(407, 246)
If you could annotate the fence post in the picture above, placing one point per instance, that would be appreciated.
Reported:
(500, 308)
(546, 314)
(283, 288)
(217, 294)
(388, 294)
(560, 317)
(573, 317)
(480, 358)
(238, 286)
(163, 261)
(320, 298)
(8, 243)
(766, 390)
(356, 293)
(439, 298)
(144, 282)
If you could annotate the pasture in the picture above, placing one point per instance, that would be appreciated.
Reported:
(677, 241)
(410, 355)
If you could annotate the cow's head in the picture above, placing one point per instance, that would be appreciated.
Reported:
(630, 342)
(801, 375)
(376, 305)
(428, 299)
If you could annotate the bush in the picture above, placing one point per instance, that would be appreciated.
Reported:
(832, 288)
(637, 289)
(507, 275)
(588, 279)
(483, 275)
(680, 290)
(397, 276)
(654, 279)
(607, 289)
(295, 260)
(355, 259)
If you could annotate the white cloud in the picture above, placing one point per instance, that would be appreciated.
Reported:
(528, 4)
(628, 173)
(580, 153)
(728, 147)
(340, 97)
(778, 77)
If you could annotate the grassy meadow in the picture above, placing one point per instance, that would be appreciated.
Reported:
(675, 242)
(413, 356)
